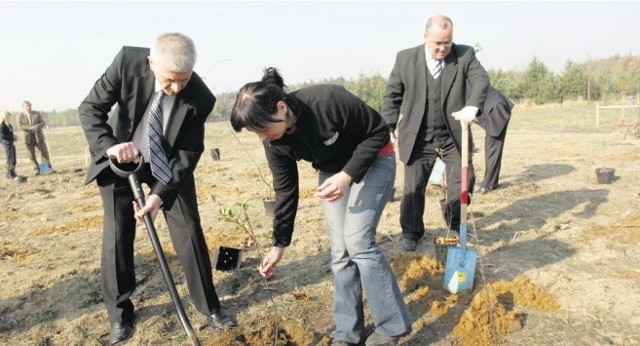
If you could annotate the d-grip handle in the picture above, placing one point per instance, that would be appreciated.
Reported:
(125, 171)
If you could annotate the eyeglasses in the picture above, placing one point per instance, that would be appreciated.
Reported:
(442, 44)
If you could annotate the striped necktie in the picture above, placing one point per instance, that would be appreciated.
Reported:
(437, 69)
(157, 156)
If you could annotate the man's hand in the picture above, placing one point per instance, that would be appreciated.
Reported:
(151, 205)
(394, 138)
(466, 115)
(125, 152)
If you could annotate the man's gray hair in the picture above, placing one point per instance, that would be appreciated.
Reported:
(174, 51)
(443, 21)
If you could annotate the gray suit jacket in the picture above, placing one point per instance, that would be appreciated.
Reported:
(31, 138)
(130, 83)
(405, 96)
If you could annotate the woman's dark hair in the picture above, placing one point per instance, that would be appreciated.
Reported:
(256, 102)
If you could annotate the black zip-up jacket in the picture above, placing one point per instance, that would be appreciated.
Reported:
(6, 133)
(335, 131)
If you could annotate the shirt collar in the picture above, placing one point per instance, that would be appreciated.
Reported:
(431, 61)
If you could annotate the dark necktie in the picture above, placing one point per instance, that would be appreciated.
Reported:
(157, 156)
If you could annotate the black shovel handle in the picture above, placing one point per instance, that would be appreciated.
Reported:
(138, 194)
(124, 170)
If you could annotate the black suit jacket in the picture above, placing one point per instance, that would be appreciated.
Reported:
(405, 96)
(129, 83)
(496, 113)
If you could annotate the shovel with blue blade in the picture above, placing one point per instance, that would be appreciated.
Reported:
(460, 266)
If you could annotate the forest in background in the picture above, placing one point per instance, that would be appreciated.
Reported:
(614, 80)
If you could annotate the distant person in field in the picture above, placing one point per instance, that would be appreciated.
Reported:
(139, 80)
(424, 104)
(348, 143)
(32, 123)
(8, 139)
(496, 113)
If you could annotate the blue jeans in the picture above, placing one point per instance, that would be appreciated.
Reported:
(357, 260)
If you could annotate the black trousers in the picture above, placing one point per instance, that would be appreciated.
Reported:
(10, 151)
(416, 177)
(493, 147)
(183, 221)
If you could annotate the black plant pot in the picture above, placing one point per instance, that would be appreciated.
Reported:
(605, 175)
(215, 154)
(227, 258)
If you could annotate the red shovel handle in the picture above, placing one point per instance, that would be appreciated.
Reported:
(464, 186)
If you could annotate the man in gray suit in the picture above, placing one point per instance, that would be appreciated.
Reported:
(136, 78)
(494, 120)
(32, 123)
(424, 103)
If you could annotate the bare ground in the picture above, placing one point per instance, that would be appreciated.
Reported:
(558, 253)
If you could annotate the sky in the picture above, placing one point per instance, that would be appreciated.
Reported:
(53, 52)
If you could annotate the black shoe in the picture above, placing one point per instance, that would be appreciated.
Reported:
(120, 331)
(482, 190)
(381, 340)
(220, 320)
(409, 244)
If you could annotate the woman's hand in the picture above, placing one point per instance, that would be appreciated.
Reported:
(268, 265)
(334, 188)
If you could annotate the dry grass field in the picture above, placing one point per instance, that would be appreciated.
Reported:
(559, 254)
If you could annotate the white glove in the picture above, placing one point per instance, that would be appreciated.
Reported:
(466, 115)
(394, 138)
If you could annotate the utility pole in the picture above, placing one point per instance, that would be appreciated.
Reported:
(588, 77)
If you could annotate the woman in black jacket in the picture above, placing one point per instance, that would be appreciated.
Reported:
(349, 144)
(8, 138)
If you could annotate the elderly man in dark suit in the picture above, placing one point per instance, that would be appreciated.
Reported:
(494, 120)
(424, 103)
(150, 86)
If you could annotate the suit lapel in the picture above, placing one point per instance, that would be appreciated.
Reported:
(178, 113)
(421, 68)
(449, 73)
(145, 92)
